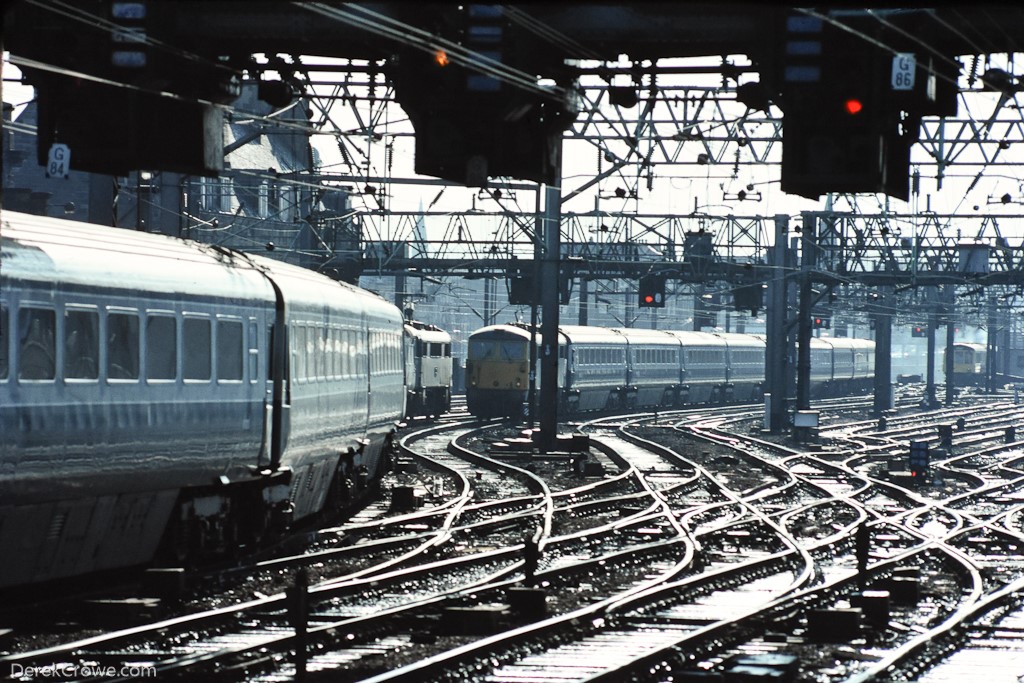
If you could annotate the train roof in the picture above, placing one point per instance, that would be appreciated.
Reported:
(42, 248)
(688, 338)
(503, 332)
(974, 346)
(846, 343)
(427, 333)
(644, 336)
(738, 340)
(585, 334)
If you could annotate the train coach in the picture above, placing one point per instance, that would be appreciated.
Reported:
(161, 395)
(624, 369)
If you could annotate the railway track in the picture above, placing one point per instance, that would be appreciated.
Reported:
(692, 544)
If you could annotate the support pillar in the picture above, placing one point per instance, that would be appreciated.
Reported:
(991, 345)
(776, 357)
(584, 318)
(929, 390)
(808, 260)
(549, 321)
(883, 359)
(948, 294)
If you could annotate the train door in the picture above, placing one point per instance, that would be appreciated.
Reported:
(278, 380)
(261, 369)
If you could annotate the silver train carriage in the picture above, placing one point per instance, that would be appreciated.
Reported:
(428, 370)
(156, 390)
(620, 368)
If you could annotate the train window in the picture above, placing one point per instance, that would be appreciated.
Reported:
(229, 350)
(373, 353)
(298, 335)
(122, 346)
(343, 361)
(196, 347)
(5, 336)
(513, 351)
(254, 351)
(81, 344)
(332, 353)
(315, 364)
(37, 328)
(446, 350)
(161, 347)
(343, 351)
(355, 350)
(323, 368)
(480, 350)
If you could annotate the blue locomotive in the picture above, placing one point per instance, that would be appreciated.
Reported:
(158, 394)
(624, 369)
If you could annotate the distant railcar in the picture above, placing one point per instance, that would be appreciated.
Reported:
(969, 363)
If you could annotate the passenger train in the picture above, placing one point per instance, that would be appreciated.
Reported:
(619, 368)
(163, 395)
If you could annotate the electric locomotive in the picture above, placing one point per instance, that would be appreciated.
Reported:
(158, 394)
(428, 370)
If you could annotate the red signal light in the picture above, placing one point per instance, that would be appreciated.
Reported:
(649, 299)
(853, 106)
(441, 58)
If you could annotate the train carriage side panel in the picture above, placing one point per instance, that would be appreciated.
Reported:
(344, 384)
(822, 365)
(704, 372)
(863, 364)
(654, 368)
(842, 360)
(595, 376)
(745, 356)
